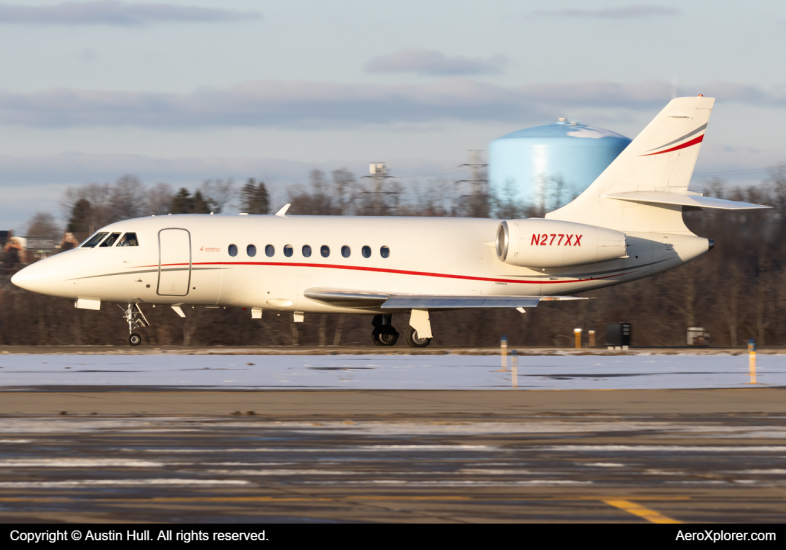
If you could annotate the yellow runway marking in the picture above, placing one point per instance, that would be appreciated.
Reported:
(641, 511)
(604, 499)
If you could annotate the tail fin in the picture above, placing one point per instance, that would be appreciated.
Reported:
(659, 162)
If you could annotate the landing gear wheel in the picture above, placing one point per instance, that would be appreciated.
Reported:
(412, 339)
(388, 336)
(134, 339)
(375, 337)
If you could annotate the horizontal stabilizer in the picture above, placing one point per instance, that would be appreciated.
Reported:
(683, 199)
(374, 300)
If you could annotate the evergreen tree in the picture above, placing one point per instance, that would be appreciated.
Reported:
(254, 199)
(182, 203)
(200, 205)
(81, 216)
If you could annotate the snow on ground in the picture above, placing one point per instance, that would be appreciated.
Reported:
(426, 372)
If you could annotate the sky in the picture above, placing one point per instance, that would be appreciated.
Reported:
(180, 91)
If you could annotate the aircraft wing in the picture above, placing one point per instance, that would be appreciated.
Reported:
(382, 300)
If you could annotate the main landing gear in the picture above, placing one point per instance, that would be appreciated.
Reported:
(383, 334)
(414, 341)
(135, 318)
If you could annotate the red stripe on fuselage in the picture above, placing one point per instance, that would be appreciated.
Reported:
(694, 141)
(396, 272)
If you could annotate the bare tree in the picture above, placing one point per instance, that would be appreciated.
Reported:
(43, 224)
(127, 199)
(318, 200)
(777, 180)
(97, 195)
(159, 199)
(507, 205)
(217, 194)
(344, 187)
(729, 300)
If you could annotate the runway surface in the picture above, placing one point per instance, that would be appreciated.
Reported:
(391, 438)
(388, 372)
(393, 456)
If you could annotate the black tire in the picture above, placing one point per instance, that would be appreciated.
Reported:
(375, 337)
(134, 339)
(413, 341)
(388, 336)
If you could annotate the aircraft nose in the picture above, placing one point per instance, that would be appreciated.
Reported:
(55, 276)
(26, 278)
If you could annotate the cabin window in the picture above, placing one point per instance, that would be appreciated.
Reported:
(251, 250)
(232, 250)
(366, 251)
(325, 251)
(129, 239)
(345, 251)
(110, 240)
(384, 252)
(306, 251)
(270, 250)
(288, 250)
(94, 240)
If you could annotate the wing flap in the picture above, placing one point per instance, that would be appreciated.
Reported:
(379, 300)
(459, 302)
(347, 298)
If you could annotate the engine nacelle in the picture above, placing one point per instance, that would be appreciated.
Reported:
(553, 243)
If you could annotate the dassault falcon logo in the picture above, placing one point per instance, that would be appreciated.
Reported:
(543, 240)
(209, 249)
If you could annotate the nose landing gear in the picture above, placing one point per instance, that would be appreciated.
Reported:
(135, 318)
(384, 334)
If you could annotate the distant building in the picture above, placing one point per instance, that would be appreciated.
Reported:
(13, 253)
(19, 251)
(71, 240)
(537, 164)
(38, 248)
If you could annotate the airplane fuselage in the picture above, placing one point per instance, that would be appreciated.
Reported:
(186, 259)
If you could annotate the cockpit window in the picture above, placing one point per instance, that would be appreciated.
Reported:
(95, 239)
(129, 239)
(110, 240)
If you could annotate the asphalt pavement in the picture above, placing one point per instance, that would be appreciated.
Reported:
(131, 453)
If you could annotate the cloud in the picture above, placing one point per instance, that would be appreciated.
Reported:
(111, 12)
(268, 103)
(627, 12)
(433, 63)
(87, 54)
(308, 104)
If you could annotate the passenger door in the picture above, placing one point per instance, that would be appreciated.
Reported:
(174, 262)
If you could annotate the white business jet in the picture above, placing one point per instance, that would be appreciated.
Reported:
(627, 225)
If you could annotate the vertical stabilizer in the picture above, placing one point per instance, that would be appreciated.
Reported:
(661, 160)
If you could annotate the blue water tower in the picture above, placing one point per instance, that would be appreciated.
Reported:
(549, 165)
